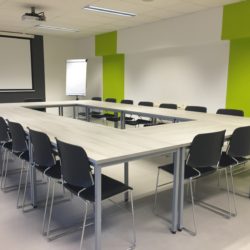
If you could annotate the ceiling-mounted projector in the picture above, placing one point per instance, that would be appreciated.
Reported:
(33, 16)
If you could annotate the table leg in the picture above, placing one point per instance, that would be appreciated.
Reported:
(87, 111)
(74, 112)
(98, 208)
(126, 179)
(116, 123)
(33, 192)
(122, 120)
(181, 188)
(175, 204)
(60, 108)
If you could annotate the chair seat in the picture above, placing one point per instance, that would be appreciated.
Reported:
(131, 122)
(110, 187)
(113, 119)
(226, 160)
(53, 172)
(189, 171)
(7, 145)
(97, 115)
(144, 121)
(23, 155)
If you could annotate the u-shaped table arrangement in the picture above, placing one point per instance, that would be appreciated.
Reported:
(106, 146)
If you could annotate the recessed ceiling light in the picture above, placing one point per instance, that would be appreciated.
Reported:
(41, 26)
(108, 11)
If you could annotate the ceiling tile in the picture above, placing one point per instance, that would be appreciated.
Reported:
(71, 14)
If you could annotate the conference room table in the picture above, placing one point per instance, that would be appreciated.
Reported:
(106, 146)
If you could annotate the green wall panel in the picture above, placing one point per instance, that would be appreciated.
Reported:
(112, 66)
(238, 88)
(105, 44)
(113, 76)
(236, 21)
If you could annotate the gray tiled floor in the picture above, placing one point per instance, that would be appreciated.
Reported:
(22, 231)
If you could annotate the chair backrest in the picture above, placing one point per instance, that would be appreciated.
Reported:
(205, 149)
(42, 151)
(196, 109)
(18, 135)
(239, 144)
(96, 98)
(75, 165)
(148, 104)
(168, 105)
(126, 101)
(235, 112)
(110, 100)
(4, 131)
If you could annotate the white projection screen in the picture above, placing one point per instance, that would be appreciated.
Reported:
(76, 72)
(15, 64)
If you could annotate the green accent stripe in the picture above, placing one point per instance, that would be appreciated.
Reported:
(113, 65)
(236, 21)
(238, 88)
(106, 44)
(113, 76)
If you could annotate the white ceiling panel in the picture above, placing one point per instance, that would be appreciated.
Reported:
(70, 14)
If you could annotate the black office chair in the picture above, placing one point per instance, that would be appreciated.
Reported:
(107, 115)
(79, 180)
(168, 106)
(36, 100)
(95, 98)
(196, 109)
(234, 112)
(44, 160)
(118, 118)
(236, 154)
(141, 120)
(6, 146)
(19, 149)
(203, 158)
(100, 115)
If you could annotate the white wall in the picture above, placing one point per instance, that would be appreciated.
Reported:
(56, 51)
(191, 29)
(195, 75)
(180, 60)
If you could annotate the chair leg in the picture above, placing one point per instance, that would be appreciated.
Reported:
(192, 199)
(156, 189)
(133, 220)
(25, 186)
(84, 223)
(3, 166)
(5, 171)
(51, 208)
(233, 189)
(218, 180)
(19, 186)
(228, 194)
(45, 208)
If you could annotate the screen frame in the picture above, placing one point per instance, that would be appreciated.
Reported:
(32, 89)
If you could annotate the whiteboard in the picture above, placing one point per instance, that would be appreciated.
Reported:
(15, 64)
(76, 72)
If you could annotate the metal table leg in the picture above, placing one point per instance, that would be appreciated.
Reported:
(175, 210)
(60, 109)
(116, 123)
(181, 188)
(126, 179)
(33, 191)
(122, 120)
(74, 111)
(87, 110)
(98, 208)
